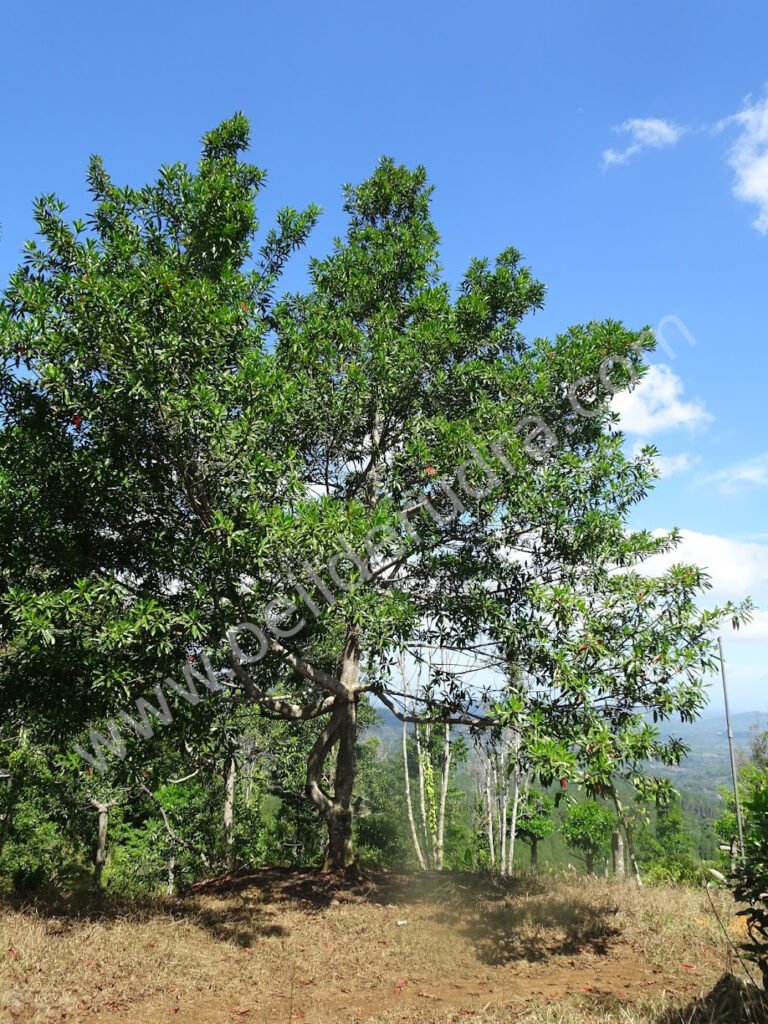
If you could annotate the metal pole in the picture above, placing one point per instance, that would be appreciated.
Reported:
(734, 771)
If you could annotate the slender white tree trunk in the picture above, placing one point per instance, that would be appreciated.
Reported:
(628, 832)
(503, 807)
(513, 822)
(444, 780)
(422, 794)
(229, 813)
(409, 802)
(490, 811)
(619, 865)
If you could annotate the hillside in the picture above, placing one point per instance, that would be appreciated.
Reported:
(704, 770)
(289, 946)
(708, 767)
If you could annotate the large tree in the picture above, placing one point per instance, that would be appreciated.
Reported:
(283, 493)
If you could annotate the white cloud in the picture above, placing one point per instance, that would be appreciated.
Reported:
(757, 629)
(741, 475)
(644, 133)
(656, 404)
(748, 156)
(671, 464)
(738, 569)
(667, 465)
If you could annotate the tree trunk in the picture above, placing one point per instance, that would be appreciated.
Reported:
(170, 886)
(339, 815)
(409, 802)
(229, 813)
(340, 731)
(590, 858)
(489, 811)
(496, 808)
(100, 859)
(515, 809)
(630, 838)
(619, 865)
(503, 807)
(534, 855)
(444, 780)
(422, 795)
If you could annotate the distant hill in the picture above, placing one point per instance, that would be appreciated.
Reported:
(708, 764)
(706, 768)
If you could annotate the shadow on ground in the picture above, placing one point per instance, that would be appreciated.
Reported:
(505, 920)
(242, 921)
(731, 1001)
(535, 929)
(313, 890)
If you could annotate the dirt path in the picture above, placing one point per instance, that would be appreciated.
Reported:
(611, 979)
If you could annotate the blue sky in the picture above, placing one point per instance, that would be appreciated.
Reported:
(622, 147)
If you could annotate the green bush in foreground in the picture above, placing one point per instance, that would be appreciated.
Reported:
(751, 878)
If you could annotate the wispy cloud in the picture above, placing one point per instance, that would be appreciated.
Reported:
(748, 156)
(667, 465)
(671, 464)
(644, 133)
(657, 404)
(740, 476)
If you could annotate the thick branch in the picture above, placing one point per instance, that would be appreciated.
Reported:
(445, 719)
(307, 671)
(279, 707)
(317, 756)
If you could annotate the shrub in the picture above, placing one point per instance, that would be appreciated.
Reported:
(751, 877)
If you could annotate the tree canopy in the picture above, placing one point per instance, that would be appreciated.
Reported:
(274, 495)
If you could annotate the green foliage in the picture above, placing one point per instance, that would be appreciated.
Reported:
(535, 821)
(588, 828)
(751, 876)
(41, 823)
(182, 446)
(667, 853)
(535, 817)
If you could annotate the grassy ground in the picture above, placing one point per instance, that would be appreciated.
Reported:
(285, 946)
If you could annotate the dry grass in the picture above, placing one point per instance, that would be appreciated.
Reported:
(276, 946)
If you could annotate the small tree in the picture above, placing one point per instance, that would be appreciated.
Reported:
(534, 822)
(588, 828)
